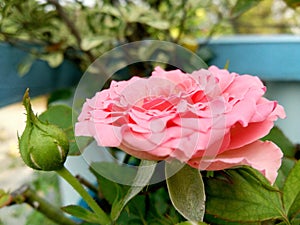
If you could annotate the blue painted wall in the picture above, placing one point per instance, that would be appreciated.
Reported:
(276, 60)
(41, 79)
(272, 58)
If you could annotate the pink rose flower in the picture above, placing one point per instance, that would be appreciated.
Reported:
(210, 119)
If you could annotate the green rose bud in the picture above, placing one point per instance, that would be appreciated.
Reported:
(42, 146)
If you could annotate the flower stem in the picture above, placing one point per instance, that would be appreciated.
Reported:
(103, 217)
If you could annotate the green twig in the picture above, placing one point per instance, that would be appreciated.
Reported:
(87, 184)
(26, 195)
(64, 173)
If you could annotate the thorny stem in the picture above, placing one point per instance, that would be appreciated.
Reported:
(64, 173)
(26, 195)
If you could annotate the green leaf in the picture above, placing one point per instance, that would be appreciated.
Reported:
(186, 191)
(89, 43)
(81, 213)
(137, 206)
(88, 223)
(61, 116)
(143, 176)
(158, 24)
(191, 223)
(243, 6)
(160, 202)
(242, 195)
(118, 173)
(61, 96)
(111, 190)
(5, 198)
(131, 13)
(287, 165)
(38, 218)
(135, 212)
(214, 220)
(291, 192)
(293, 3)
(278, 137)
(54, 59)
(25, 65)
(110, 10)
(296, 222)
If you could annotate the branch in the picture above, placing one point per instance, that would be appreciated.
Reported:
(26, 195)
(103, 202)
(103, 217)
(86, 183)
(66, 19)
(71, 26)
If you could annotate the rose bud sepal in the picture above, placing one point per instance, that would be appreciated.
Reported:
(43, 146)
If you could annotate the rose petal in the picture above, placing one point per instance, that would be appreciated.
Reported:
(140, 154)
(263, 110)
(85, 113)
(225, 78)
(241, 85)
(197, 124)
(107, 135)
(263, 156)
(174, 76)
(278, 112)
(84, 128)
(141, 142)
(241, 136)
(242, 112)
(210, 118)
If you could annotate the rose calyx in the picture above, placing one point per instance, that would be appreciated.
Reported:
(42, 146)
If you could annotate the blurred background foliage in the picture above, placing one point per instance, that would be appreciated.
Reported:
(82, 30)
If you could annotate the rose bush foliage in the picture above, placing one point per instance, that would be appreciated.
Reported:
(211, 119)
